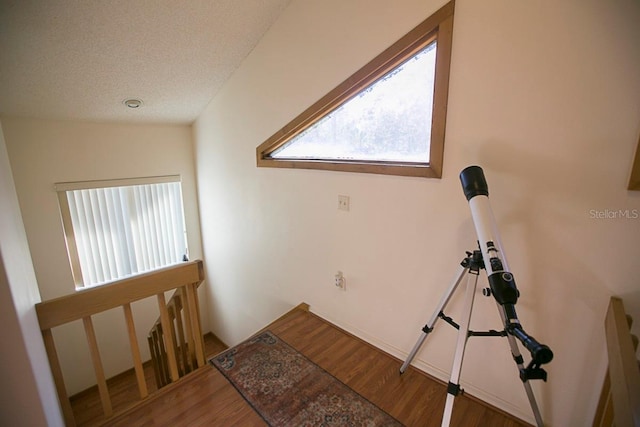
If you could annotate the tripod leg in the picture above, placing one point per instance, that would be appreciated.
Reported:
(453, 388)
(517, 357)
(434, 317)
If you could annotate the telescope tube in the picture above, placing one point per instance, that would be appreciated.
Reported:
(501, 281)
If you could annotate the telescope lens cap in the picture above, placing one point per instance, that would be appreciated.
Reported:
(473, 182)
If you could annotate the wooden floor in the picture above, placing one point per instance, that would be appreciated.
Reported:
(123, 390)
(415, 399)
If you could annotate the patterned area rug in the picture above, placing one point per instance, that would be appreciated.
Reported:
(287, 389)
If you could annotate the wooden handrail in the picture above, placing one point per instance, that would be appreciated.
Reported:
(91, 301)
(620, 400)
(184, 278)
(623, 367)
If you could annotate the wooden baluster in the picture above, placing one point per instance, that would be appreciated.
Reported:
(166, 326)
(155, 361)
(135, 351)
(97, 366)
(162, 359)
(190, 336)
(198, 317)
(58, 379)
(172, 317)
(180, 327)
(164, 364)
(192, 297)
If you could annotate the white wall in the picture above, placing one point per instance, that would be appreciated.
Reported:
(543, 96)
(45, 152)
(27, 393)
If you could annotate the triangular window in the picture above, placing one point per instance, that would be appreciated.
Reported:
(388, 121)
(387, 118)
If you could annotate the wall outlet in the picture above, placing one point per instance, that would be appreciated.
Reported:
(340, 281)
(343, 203)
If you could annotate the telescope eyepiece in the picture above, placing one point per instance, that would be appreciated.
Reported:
(542, 354)
(473, 182)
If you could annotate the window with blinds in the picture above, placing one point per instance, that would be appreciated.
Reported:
(119, 228)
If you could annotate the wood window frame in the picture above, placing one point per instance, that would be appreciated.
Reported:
(438, 27)
(62, 188)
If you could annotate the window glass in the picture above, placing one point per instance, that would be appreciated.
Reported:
(117, 231)
(388, 121)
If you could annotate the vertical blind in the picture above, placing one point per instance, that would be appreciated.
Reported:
(126, 230)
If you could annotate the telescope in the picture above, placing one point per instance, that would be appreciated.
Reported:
(490, 256)
(501, 281)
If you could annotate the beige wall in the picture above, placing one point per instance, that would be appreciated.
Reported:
(45, 152)
(543, 95)
(27, 392)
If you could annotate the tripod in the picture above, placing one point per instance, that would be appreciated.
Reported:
(502, 288)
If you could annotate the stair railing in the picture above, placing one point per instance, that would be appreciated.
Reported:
(182, 337)
(620, 398)
(184, 278)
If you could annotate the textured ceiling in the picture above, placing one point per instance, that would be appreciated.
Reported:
(71, 59)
